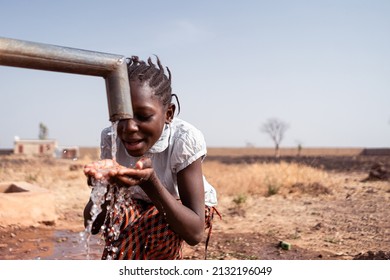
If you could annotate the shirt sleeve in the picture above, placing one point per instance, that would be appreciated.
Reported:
(188, 147)
(105, 144)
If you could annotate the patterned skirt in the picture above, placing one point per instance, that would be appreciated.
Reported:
(145, 235)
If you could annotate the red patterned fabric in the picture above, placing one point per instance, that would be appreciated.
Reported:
(209, 217)
(145, 235)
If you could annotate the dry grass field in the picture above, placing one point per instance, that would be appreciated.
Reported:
(319, 204)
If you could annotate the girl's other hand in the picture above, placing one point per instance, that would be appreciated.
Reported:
(135, 176)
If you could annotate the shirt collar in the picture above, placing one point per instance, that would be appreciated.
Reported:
(162, 142)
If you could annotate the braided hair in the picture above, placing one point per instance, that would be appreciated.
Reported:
(154, 76)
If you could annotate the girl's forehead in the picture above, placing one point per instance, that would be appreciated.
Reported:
(143, 95)
(141, 89)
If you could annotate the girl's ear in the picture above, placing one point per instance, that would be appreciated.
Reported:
(170, 113)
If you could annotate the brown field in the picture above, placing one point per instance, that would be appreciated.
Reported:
(285, 151)
(319, 203)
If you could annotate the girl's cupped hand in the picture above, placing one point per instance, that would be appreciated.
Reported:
(115, 173)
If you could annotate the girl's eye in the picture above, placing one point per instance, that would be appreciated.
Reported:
(143, 118)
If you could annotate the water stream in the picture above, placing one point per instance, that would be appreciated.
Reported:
(101, 192)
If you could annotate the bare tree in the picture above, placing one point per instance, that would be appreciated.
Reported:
(275, 128)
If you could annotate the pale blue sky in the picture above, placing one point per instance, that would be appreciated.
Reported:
(323, 67)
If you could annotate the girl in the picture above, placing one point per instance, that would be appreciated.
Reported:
(165, 198)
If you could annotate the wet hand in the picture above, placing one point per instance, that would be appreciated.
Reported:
(101, 169)
(141, 173)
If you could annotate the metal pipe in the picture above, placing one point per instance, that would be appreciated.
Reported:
(111, 67)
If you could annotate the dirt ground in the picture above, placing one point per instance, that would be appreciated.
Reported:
(351, 221)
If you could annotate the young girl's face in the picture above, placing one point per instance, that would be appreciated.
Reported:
(141, 132)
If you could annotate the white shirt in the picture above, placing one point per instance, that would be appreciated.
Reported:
(179, 145)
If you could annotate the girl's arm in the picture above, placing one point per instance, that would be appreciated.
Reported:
(186, 218)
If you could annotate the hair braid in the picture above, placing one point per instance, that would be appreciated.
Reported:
(153, 75)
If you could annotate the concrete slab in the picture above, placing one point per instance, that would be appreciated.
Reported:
(22, 203)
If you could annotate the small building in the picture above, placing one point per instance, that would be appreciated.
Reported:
(35, 147)
(70, 152)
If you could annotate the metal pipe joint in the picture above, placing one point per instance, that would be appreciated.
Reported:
(111, 67)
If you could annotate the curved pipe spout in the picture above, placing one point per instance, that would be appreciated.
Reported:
(111, 67)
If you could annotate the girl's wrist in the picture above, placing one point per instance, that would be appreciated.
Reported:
(150, 181)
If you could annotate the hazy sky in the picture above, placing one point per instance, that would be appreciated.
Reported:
(323, 67)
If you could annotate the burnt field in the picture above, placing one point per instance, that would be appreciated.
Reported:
(359, 163)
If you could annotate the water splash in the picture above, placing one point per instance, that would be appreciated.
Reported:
(115, 216)
(119, 199)
(98, 198)
(101, 192)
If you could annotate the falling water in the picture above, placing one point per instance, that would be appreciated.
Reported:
(102, 191)
(114, 134)
(97, 197)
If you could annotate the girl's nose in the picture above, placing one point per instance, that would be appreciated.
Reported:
(128, 125)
